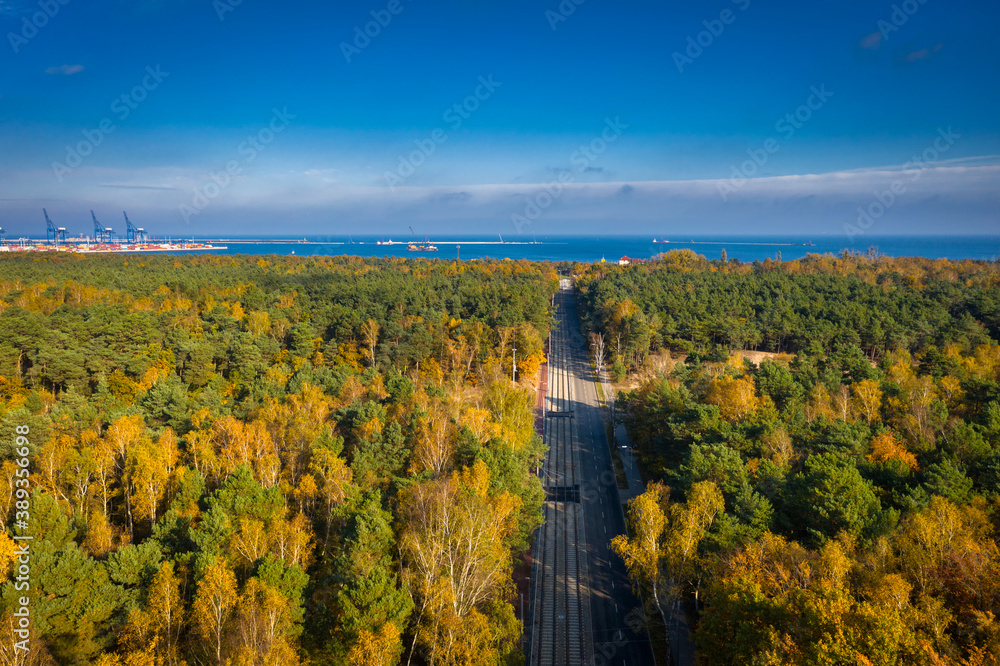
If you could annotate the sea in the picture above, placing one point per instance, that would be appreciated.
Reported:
(613, 248)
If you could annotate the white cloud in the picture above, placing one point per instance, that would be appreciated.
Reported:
(67, 70)
(958, 196)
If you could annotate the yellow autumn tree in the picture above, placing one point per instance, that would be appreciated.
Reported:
(480, 423)
(153, 633)
(736, 398)
(866, 399)
(662, 554)
(914, 413)
(333, 478)
(213, 607)
(296, 425)
(263, 627)
(7, 554)
(436, 441)
(378, 648)
(886, 446)
(456, 560)
(510, 407)
(258, 323)
(250, 541)
(370, 331)
(148, 467)
(820, 403)
(292, 540)
(778, 445)
(49, 463)
(166, 605)
(124, 438)
(100, 539)
(643, 553)
(689, 523)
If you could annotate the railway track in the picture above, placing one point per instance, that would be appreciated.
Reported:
(561, 627)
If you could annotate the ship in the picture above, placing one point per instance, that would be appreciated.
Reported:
(661, 240)
(416, 246)
(421, 247)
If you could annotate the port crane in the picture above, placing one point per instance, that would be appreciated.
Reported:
(133, 234)
(53, 234)
(101, 234)
(416, 246)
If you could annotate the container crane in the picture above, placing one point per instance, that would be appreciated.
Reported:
(133, 234)
(98, 229)
(53, 234)
(101, 234)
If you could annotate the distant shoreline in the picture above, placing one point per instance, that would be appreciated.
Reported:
(587, 249)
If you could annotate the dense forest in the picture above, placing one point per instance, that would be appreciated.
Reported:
(278, 460)
(837, 502)
(819, 305)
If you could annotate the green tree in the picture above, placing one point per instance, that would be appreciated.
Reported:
(73, 601)
(828, 496)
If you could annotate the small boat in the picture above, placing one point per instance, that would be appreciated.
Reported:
(661, 240)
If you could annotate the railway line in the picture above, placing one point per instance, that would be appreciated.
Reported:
(562, 617)
(583, 609)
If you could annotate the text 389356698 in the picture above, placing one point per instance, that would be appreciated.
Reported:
(22, 573)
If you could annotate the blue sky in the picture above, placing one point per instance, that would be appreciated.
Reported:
(599, 117)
